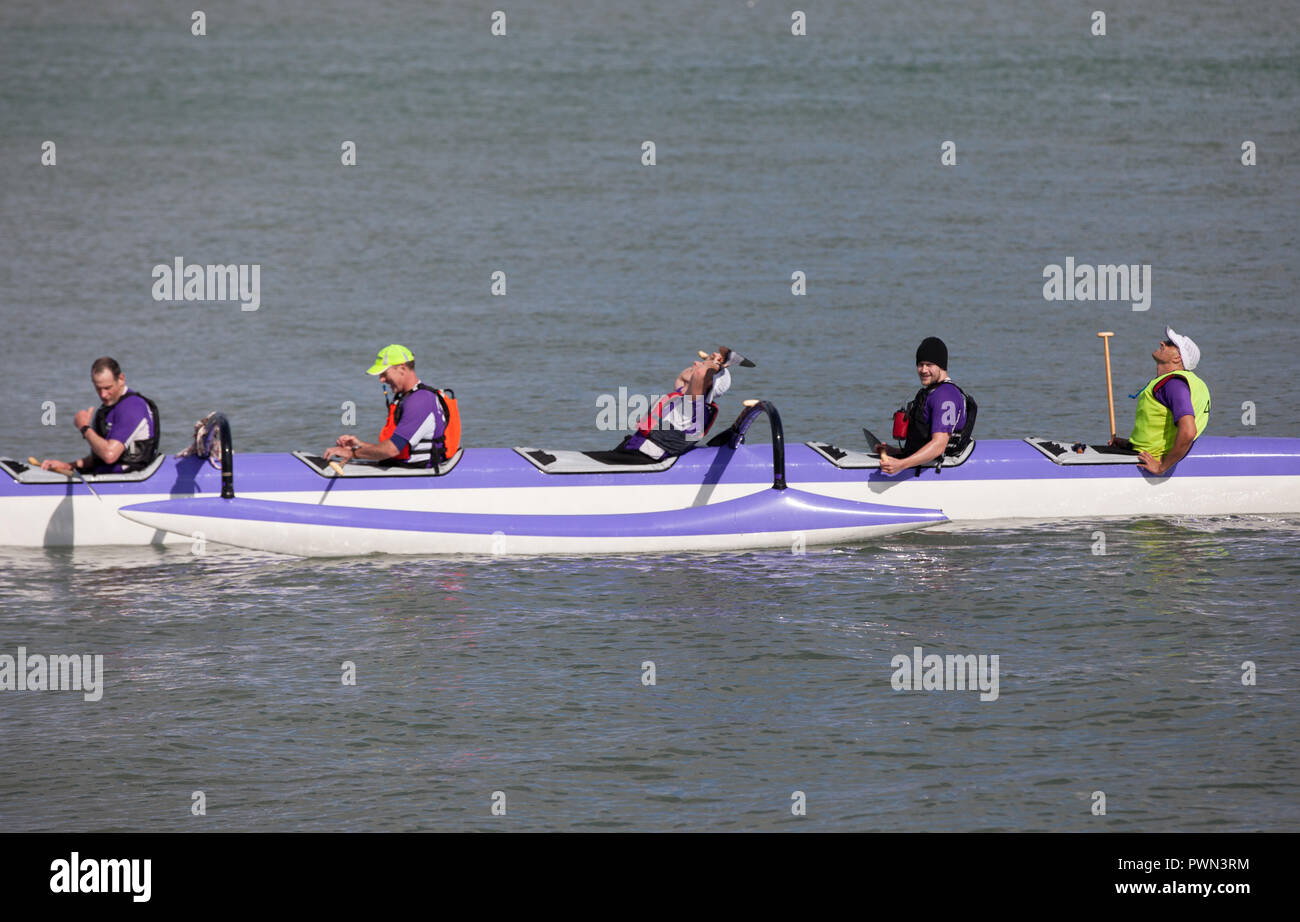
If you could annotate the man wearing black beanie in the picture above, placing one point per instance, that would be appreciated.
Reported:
(933, 351)
(938, 421)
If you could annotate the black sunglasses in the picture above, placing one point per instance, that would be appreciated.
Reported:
(1168, 342)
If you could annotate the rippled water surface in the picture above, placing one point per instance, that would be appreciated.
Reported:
(1119, 673)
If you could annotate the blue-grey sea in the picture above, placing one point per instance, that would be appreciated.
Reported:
(1162, 674)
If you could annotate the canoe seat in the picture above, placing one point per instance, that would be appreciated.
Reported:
(1068, 454)
(375, 469)
(563, 461)
(848, 459)
(25, 473)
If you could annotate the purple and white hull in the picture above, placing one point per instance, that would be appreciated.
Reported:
(1000, 479)
(1017, 480)
(786, 518)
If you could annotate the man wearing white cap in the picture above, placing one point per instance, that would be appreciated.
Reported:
(1172, 410)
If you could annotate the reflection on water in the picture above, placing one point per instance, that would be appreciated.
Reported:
(474, 674)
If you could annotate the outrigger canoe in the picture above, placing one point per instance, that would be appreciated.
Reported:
(498, 501)
(529, 500)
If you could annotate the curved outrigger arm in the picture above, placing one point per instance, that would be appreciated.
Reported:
(222, 427)
(752, 409)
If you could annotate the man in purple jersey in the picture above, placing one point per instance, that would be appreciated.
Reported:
(122, 433)
(414, 434)
(936, 417)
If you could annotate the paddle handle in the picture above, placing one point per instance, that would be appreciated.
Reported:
(31, 459)
(1110, 390)
(338, 468)
(73, 473)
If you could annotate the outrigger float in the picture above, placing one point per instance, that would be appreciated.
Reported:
(540, 501)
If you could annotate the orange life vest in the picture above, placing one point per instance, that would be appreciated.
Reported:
(444, 446)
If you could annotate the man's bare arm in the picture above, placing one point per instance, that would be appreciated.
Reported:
(349, 447)
(106, 450)
(1182, 445)
(928, 452)
(702, 374)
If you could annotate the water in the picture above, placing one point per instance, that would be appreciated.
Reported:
(1120, 673)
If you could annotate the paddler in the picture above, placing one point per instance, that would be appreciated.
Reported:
(679, 421)
(423, 425)
(1173, 408)
(122, 433)
(940, 418)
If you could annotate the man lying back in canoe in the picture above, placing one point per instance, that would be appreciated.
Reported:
(1172, 410)
(680, 420)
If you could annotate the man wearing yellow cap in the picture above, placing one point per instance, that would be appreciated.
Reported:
(1173, 408)
(415, 433)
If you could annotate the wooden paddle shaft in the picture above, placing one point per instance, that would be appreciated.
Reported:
(74, 473)
(1110, 391)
